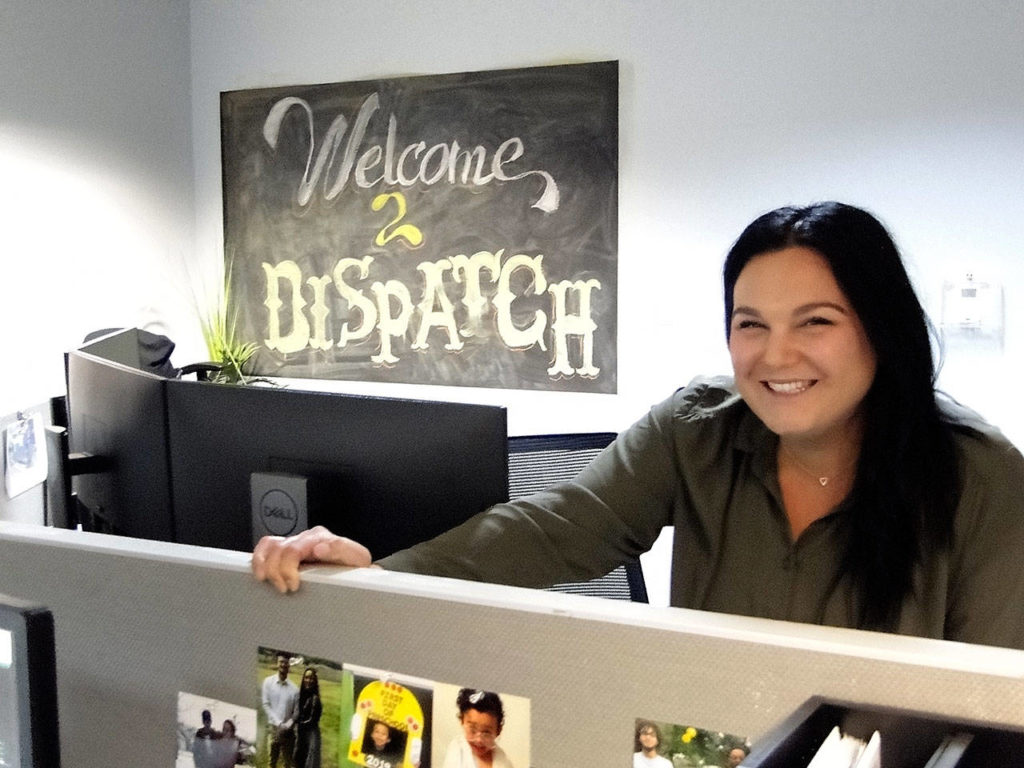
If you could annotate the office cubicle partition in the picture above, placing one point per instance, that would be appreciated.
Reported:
(137, 622)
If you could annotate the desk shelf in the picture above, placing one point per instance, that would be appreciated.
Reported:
(910, 739)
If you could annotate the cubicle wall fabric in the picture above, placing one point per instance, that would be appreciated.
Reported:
(137, 622)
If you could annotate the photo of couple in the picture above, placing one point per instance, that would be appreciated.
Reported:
(214, 734)
(300, 709)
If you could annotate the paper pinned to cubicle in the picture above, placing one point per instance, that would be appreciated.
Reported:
(871, 757)
(838, 750)
(950, 751)
(24, 454)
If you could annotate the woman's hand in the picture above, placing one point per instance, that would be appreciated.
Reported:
(277, 558)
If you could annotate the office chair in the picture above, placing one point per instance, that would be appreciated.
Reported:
(538, 461)
(154, 354)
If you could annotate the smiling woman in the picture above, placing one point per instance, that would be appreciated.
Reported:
(803, 364)
(801, 358)
(831, 350)
(827, 482)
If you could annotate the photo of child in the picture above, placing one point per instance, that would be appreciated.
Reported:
(474, 726)
(389, 719)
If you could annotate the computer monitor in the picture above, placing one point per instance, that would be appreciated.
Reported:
(117, 414)
(29, 732)
(388, 472)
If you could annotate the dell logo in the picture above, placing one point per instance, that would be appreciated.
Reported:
(279, 512)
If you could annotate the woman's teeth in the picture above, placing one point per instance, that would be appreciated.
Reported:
(788, 387)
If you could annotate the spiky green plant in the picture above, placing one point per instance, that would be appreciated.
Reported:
(222, 342)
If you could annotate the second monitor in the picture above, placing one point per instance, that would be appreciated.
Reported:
(176, 457)
(386, 472)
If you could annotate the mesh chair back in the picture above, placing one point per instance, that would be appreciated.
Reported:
(536, 462)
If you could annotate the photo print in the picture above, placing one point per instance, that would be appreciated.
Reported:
(214, 734)
(10, 749)
(24, 454)
(658, 744)
(302, 699)
(472, 724)
(389, 719)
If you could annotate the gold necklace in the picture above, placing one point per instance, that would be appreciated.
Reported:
(823, 480)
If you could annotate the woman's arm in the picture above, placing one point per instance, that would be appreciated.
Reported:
(611, 512)
(986, 581)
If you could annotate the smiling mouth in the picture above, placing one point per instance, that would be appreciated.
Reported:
(790, 387)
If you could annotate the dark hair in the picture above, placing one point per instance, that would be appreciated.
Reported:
(482, 701)
(641, 726)
(314, 690)
(907, 484)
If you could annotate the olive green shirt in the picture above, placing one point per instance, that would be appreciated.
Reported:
(702, 462)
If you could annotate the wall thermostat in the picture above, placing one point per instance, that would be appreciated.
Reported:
(972, 308)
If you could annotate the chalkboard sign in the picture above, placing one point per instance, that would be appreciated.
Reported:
(446, 229)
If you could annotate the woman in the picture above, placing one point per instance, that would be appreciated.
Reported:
(307, 721)
(240, 750)
(481, 716)
(825, 482)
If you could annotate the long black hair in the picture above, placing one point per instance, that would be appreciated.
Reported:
(312, 690)
(907, 485)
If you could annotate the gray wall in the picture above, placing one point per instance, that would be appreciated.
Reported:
(96, 207)
(137, 622)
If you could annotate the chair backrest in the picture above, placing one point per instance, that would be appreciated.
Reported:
(538, 461)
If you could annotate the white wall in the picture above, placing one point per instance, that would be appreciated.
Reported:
(96, 206)
(727, 110)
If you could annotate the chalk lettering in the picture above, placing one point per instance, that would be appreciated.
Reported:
(289, 272)
(580, 326)
(416, 163)
(389, 310)
(318, 336)
(408, 232)
(356, 300)
(466, 270)
(436, 309)
(391, 326)
(510, 334)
